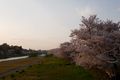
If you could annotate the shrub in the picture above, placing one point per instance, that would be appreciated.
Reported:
(33, 54)
(12, 76)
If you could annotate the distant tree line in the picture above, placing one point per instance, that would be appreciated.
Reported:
(6, 50)
(10, 51)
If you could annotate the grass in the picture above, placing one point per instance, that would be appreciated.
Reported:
(6, 66)
(51, 69)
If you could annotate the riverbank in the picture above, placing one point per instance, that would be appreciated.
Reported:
(5, 56)
(6, 66)
(13, 58)
(20, 57)
(51, 69)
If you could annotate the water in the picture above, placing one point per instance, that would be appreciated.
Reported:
(42, 55)
(14, 58)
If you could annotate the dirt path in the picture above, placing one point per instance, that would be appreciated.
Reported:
(7, 73)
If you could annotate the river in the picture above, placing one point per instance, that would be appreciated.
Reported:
(13, 58)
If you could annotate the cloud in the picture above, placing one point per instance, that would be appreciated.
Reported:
(85, 12)
(118, 9)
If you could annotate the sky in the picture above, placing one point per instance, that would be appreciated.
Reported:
(44, 24)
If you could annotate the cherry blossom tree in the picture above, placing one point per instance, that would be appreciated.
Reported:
(96, 43)
(62, 52)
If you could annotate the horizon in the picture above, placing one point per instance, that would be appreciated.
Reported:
(44, 24)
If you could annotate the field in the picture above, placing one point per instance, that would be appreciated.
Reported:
(6, 66)
(51, 69)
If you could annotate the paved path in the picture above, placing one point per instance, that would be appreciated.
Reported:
(4, 74)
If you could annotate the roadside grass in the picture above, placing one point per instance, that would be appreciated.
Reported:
(6, 66)
(51, 69)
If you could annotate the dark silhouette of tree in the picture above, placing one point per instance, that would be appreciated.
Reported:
(5, 48)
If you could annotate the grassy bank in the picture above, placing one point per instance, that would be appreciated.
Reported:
(6, 66)
(50, 69)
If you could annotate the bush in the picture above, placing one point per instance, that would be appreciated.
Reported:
(33, 54)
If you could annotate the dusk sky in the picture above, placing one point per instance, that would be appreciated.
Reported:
(44, 24)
